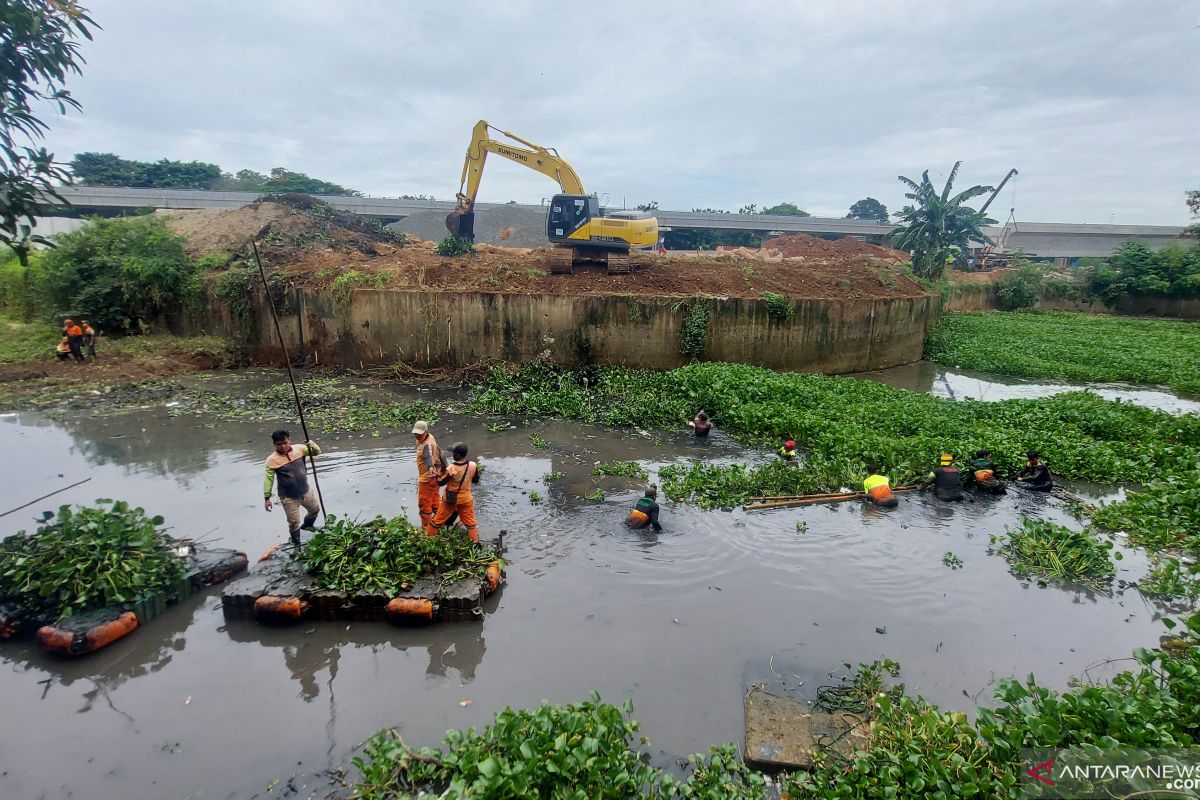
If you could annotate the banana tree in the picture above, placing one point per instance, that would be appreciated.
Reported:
(937, 225)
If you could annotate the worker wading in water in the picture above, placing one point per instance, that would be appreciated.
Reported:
(702, 424)
(878, 488)
(645, 512)
(1036, 474)
(787, 451)
(458, 501)
(287, 464)
(983, 472)
(946, 480)
(430, 466)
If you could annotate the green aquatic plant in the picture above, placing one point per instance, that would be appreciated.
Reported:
(537, 441)
(1070, 346)
(1170, 578)
(625, 469)
(597, 495)
(89, 557)
(693, 335)
(1048, 551)
(384, 556)
(535, 496)
(552, 475)
(952, 561)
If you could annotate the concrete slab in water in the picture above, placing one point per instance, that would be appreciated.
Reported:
(782, 733)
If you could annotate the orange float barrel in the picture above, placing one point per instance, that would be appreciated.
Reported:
(278, 610)
(409, 610)
(76, 644)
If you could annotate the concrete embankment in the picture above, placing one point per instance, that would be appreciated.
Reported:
(456, 329)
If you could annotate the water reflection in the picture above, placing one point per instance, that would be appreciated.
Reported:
(960, 384)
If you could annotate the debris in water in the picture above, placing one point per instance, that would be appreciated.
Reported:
(188, 701)
(465, 703)
(881, 629)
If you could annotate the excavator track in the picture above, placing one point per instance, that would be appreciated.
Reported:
(562, 261)
(619, 264)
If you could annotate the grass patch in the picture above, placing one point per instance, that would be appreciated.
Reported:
(1041, 549)
(1071, 346)
(27, 341)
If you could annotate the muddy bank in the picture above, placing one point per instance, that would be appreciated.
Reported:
(683, 621)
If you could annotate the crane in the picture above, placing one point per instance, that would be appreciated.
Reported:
(987, 259)
(579, 229)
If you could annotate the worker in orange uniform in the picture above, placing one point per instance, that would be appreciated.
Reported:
(430, 465)
(878, 488)
(74, 335)
(458, 500)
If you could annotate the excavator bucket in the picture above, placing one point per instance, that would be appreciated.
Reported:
(461, 226)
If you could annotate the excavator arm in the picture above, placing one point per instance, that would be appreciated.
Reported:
(461, 221)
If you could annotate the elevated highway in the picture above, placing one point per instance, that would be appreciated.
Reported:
(1040, 239)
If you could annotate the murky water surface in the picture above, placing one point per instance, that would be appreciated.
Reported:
(960, 384)
(682, 621)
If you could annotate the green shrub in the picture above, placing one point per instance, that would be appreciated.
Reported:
(779, 308)
(694, 332)
(121, 274)
(236, 287)
(1135, 269)
(454, 246)
(345, 284)
(1019, 289)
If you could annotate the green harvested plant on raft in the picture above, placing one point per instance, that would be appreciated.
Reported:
(385, 556)
(90, 557)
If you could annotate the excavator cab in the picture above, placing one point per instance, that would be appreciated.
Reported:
(568, 214)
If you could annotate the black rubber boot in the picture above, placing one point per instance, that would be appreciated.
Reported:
(309, 523)
(296, 538)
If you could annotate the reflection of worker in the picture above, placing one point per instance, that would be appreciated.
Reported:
(306, 660)
(458, 501)
(702, 424)
(1036, 474)
(945, 480)
(645, 512)
(878, 488)
(464, 652)
(787, 451)
(287, 464)
(983, 471)
(429, 469)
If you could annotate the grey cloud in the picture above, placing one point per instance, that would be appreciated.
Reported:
(691, 104)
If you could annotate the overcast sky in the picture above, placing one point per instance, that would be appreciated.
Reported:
(692, 104)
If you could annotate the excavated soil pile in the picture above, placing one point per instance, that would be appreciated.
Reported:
(801, 244)
(509, 225)
(306, 242)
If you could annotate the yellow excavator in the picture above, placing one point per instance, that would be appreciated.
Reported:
(581, 231)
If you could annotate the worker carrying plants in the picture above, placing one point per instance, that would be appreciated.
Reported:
(946, 480)
(645, 511)
(1036, 474)
(458, 501)
(702, 424)
(787, 451)
(878, 488)
(430, 466)
(983, 472)
(287, 464)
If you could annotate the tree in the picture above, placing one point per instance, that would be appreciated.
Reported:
(651, 206)
(1193, 204)
(870, 209)
(103, 169)
(786, 210)
(108, 169)
(39, 49)
(283, 180)
(938, 225)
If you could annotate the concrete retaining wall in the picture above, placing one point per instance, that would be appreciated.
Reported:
(456, 329)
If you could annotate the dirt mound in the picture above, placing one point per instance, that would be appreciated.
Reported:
(285, 227)
(509, 225)
(215, 230)
(801, 244)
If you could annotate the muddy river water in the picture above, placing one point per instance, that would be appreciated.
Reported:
(682, 622)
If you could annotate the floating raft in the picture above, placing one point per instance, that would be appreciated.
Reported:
(783, 733)
(280, 592)
(90, 630)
